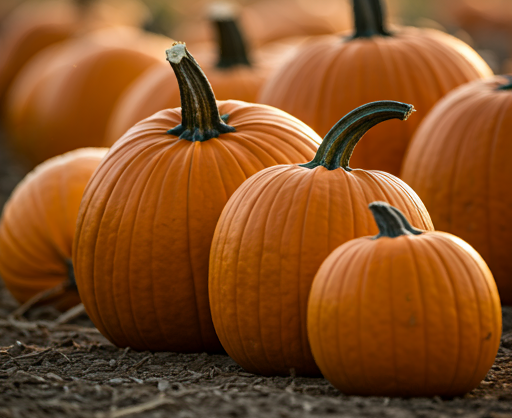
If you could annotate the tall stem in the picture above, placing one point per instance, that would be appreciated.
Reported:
(391, 222)
(339, 143)
(200, 118)
(369, 19)
(232, 50)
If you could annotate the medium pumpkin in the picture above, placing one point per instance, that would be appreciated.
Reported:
(38, 225)
(231, 74)
(404, 313)
(279, 227)
(63, 97)
(148, 215)
(458, 162)
(331, 75)
(31, 27)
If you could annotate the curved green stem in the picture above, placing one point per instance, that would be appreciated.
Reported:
(232, 50)
(507, 86)
(369, 19)
(339, 143)
(200, 118)
(391, 222)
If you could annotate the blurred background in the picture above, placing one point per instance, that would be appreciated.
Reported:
(484, 24)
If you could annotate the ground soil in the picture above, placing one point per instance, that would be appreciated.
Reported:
(70, 370)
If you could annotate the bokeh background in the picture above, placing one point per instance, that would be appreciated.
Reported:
(484, 24)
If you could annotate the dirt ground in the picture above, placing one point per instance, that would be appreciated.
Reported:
(53, 369)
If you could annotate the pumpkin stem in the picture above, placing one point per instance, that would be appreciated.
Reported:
(507, 86)
(391, 222)
(232, 50)
(339, 143)
(200, 118)
(369, 19)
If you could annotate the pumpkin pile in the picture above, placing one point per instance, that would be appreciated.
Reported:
(214, 223)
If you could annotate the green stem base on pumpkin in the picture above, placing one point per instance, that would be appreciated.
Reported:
(200, 118)
(369, 19)
(391, 222)
(507, 86)
(339, 143)
(232, 48)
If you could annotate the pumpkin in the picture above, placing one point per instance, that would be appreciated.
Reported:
(278, 228)
(330, 75)
(148, 215)
(231, 74)
(404, 313)
(63, 97)
(458, 164)
(31, 27)
(38, 225)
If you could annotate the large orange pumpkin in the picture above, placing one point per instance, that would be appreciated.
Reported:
(63, 97)
(148, 215)
(331, 75)
(279, 227)
(404, 313)
(231, 73)
(38, 225)
(458, 162)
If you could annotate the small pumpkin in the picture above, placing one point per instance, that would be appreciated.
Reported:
(331, 75)
(278, 228)
(458, 162)
(404, 313)
(38, 225)
(63, 97)
(148, 215)
(231, 74)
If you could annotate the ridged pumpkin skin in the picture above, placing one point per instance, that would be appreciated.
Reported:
(413, 315)
(63, 98)
(458, 162)
(148, 215)
(38, 226)
(271, 238)
(330, 76)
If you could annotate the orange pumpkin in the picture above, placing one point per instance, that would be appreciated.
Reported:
(404, 313)
(279, 227)
(458, 163)
(331, 75)
(148, 215)
(31, 27)
(63, 98)
(38, 225)
(231, 74)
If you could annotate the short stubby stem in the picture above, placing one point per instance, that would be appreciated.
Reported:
(391, 222)
(369, 19)
(339, 143)
(200, 118)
